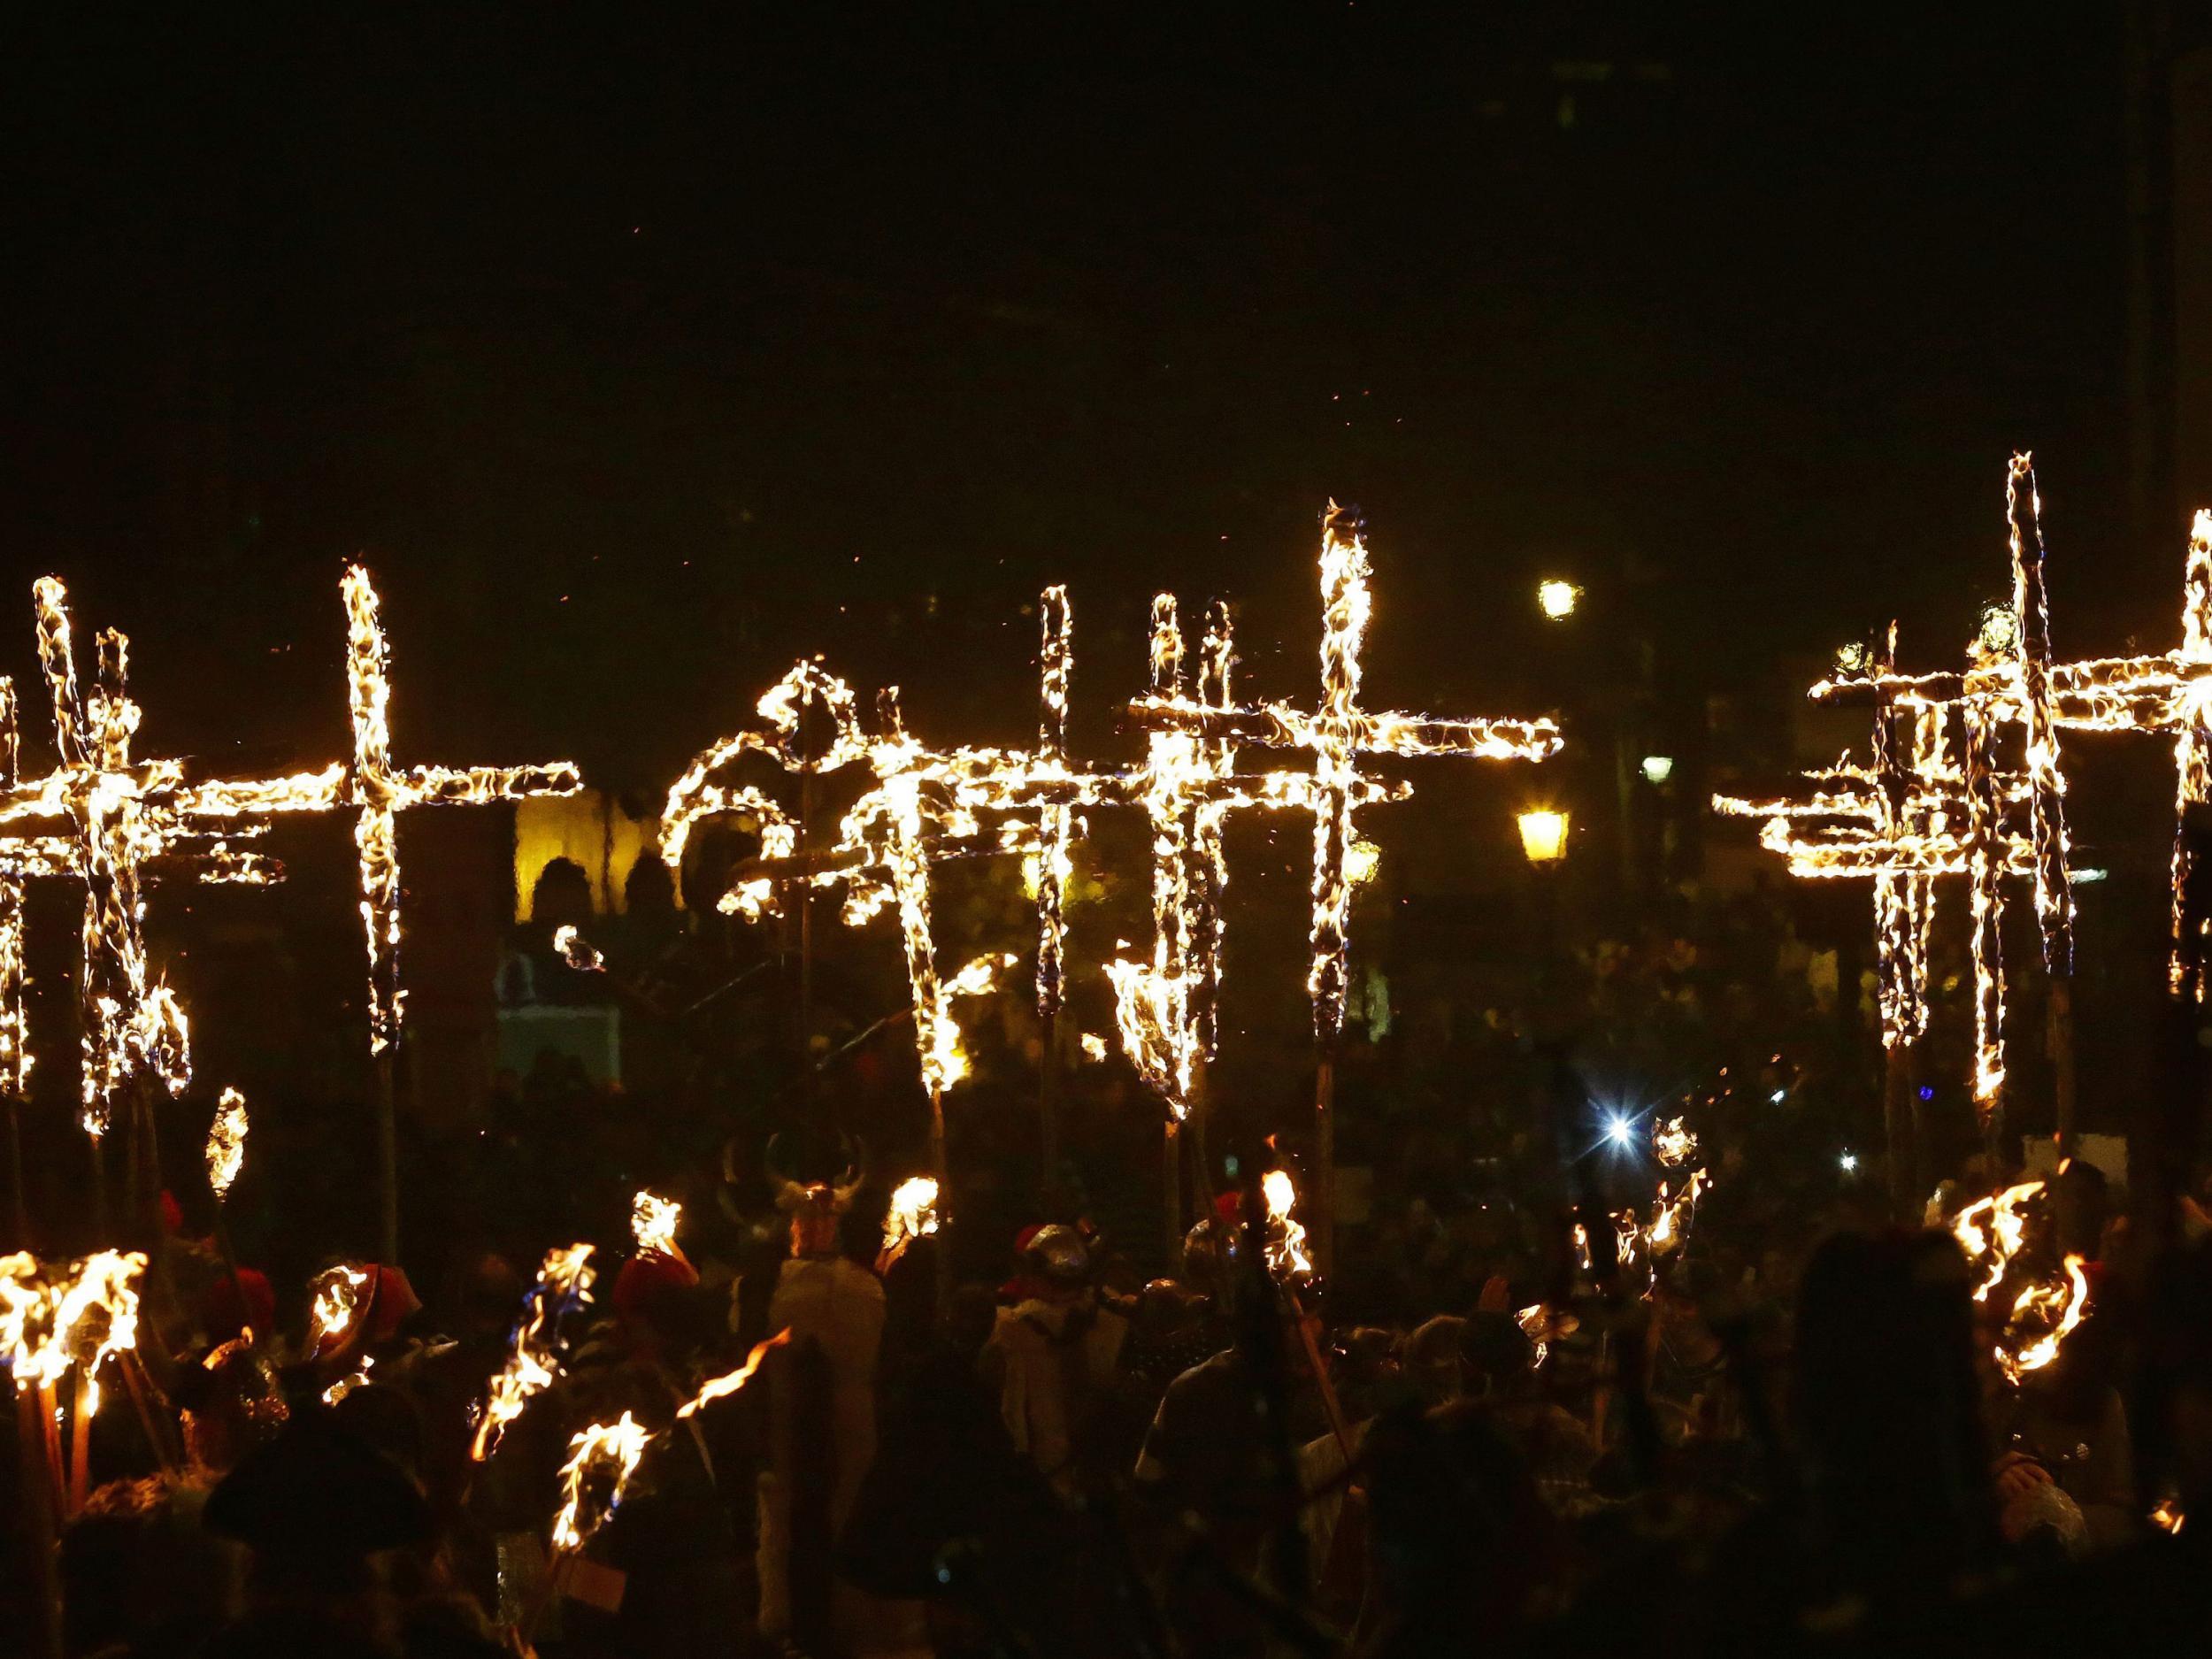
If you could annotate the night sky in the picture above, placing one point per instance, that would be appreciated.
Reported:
(637, 359)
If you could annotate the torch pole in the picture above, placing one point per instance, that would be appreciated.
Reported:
(1897, 1126)
(80, 1440)
(97, 1145)
(37, 1483)
(1048, 1112)
(386, 1161)
(19, 1203)
(939, 1166)
(1172, 1192)
(2059, 1037)
(1325, 1163)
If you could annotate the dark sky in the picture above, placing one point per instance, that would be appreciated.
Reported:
(638, 357)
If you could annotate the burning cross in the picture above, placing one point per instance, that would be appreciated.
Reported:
(1902, 823)
(1338, 734)
(888, 841)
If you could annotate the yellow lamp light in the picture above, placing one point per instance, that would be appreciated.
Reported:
(1543, 836)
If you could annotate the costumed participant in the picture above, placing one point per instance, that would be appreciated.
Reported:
(822, 1413)
(1052, 1354)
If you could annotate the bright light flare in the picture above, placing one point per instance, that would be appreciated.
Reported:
(1557, 598)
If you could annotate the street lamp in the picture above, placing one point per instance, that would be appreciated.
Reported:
(1543, 836)
(1658, 768)
(1557, 598)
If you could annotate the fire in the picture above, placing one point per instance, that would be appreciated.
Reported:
(534, 1361)
(577, 951)
(54, 1317)
(653, 1223)
(601, 1461)
(912, 1213)
(1994, 1229)
(379, 792)
(336, 1296)
(2167, 1516)
(1094, 1046)
(722, 1386)
(2059, 1308)
(1286, 1257)
(1672, 1142)
(1535, 1323)
(227, 1142)
(357, 1378)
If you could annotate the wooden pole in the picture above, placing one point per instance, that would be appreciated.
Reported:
(18, 1201)
(1171, 1193)
(1324, 1228)
(1048, 1116)
(2059, 1037)
(387, 1160)
(939, 1166)
(97, 1146)
(36, 1480)
(1899, 1150)
(80, 1440)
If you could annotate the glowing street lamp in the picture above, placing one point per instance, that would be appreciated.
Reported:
(1543, 837)
(1556, 598)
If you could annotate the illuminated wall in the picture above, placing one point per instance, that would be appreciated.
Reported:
(590, 829)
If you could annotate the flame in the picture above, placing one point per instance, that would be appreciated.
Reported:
(357, 1378)
(1993, 1230)
(1094, 1047)
(653, 1223)
(336, 1294)
(1535, 1323)
(52, 1317)
(729, 1384)
(1672, 1142)
(1286, 1257)
(380, 792)
(2167, 1516)
(912, 1213)
(227, 1142)
(577, 951)
(2060, 1307)
(605, 1452)
(533, 1360)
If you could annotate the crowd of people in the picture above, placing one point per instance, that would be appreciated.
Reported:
(1748, 1450)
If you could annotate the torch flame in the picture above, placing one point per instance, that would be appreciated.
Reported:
(227, 1142)
(605, 1452)
(577, 951)
(729, 1384)
(534, 1361)
(653, 1223)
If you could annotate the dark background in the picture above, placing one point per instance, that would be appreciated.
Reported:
(638, 355)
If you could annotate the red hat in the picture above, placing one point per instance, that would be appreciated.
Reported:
(229, 1306)
(644, 1275)
(394, 1301)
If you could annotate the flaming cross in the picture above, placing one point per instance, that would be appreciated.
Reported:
(123, 821)
(1338, 735)
(912, 818)
(378, 791)
(1903, 825)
